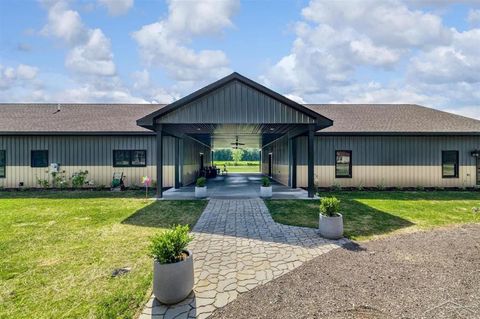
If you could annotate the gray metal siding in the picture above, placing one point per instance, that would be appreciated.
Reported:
(391, 161)
(75, 153)
(280, 160)
(236, 103)
(191, 160)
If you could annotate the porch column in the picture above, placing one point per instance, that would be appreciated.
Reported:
(177, 163)
(159, 131)
(311, 163)
(293, 172)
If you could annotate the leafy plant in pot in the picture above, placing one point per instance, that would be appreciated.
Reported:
(266, 188)
(330, 222)
(201, 188)
(172, 265)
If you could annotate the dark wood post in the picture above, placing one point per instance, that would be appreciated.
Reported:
(159, 131)
(177, 162)
(311, 162)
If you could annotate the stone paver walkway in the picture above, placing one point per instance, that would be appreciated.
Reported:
(237, 247)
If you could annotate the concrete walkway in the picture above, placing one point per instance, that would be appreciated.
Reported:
(236, 185)
(237, 247)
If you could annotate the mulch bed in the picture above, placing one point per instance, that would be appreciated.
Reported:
(434, 274)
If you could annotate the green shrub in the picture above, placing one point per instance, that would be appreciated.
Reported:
(336, 187)
(201, 181)
(329, 206)
(79, 179)
(266, 182)
(43, 182)
(167, 247)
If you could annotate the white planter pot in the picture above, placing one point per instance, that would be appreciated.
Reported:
(266, 191)
(331, 227)
(172, 283)
(200, 192)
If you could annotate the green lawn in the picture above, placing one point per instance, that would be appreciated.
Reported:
(239, 167)
(371, 214)
(58, 250)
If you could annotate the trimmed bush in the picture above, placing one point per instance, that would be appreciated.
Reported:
(266, 182)
(168, 247)
(201, 181)
(329, 206)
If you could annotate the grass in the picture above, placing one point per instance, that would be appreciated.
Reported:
(239, 167)
(58, 250)
(372, 214)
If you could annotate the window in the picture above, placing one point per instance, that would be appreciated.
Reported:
(343, 164)
(3, 163)
(450, 164)
(127, 158)
(39, 159)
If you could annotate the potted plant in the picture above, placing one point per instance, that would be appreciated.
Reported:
(201, 188)
(266, 187)
(172, 265)
(330, 223)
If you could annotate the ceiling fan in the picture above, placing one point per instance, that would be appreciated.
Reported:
(236, 144)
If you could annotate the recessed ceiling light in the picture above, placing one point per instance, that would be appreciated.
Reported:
(272, 129)
(198, 129)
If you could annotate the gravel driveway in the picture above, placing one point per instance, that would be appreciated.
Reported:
(434, 274)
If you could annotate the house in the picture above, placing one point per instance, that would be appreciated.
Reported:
(301, 145)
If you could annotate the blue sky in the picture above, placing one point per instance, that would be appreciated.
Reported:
(311, 51)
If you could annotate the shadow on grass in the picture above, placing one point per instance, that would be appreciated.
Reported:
(360, 220)
(164, 214)
(363, 220)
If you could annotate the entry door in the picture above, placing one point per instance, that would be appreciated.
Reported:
(478, 171)
(270, 165)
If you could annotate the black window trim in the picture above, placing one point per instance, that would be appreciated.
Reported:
(350, 173)
(31, 158)
(5, 164)
(457, 167)
(130, 155)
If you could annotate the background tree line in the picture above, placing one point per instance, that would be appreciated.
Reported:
(226, 154)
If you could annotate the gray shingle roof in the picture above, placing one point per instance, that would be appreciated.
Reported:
(392, 118)
(121, 118)
(74, 118)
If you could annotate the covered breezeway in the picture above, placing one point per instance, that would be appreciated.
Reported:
(233, 109)
(236, 186)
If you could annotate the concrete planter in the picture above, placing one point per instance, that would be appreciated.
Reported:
(173, 282)
(331, 227)
(266, 191)
(200, 192)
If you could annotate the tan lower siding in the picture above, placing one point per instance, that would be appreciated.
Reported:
(75, 153)
(388, 176)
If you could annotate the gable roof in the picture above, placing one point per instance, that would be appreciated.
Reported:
(149, 120)
(118, 119)
(73, 118)
(409, 119)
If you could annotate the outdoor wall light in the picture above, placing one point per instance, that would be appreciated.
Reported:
(475, 153)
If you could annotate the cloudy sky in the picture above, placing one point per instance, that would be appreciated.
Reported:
(311, 51)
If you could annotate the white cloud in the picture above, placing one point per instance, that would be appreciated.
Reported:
(165, 43)
(90, 51)
(12, 76)
(93, 57)
(457, 62)
(117, 7)
(339, 52)
(474, 17)
(64, 23)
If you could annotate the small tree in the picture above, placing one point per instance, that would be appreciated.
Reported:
(237, 155)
